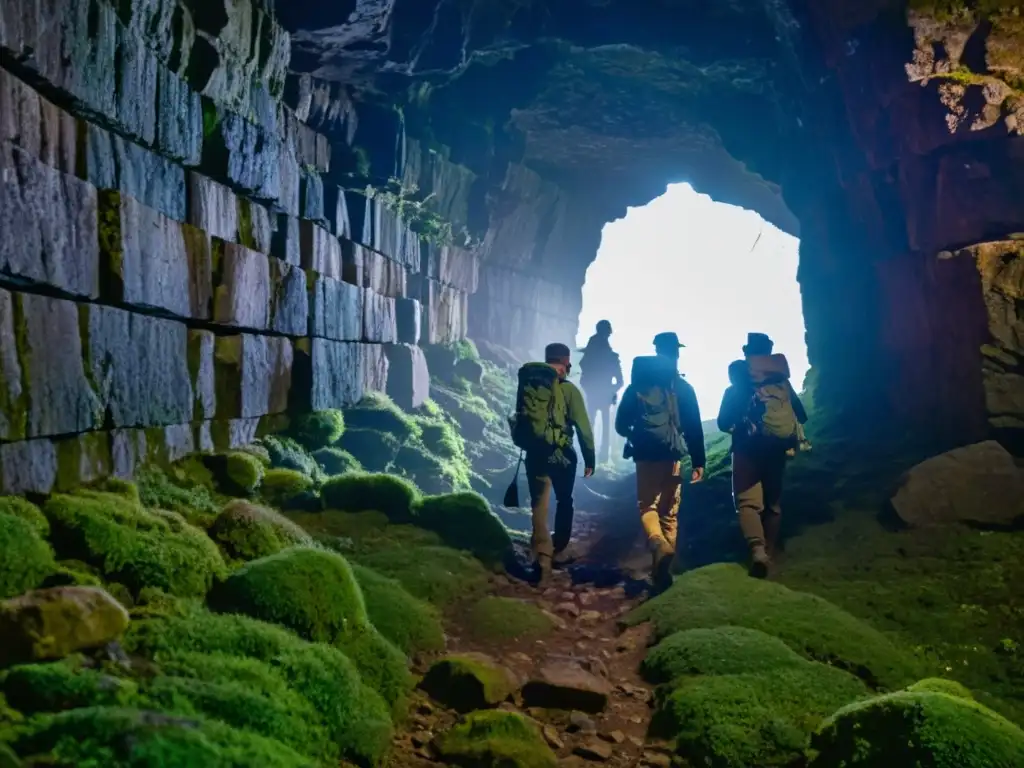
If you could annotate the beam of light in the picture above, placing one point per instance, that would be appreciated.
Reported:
(708, 271)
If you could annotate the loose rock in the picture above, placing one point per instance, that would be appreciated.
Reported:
(598, 751)
(469, 682)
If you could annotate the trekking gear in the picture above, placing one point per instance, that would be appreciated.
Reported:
(759, 562)
(653, 380)
(758, 344)
(668, 340)
(512, 492)
(540, 419)
(771, 413)
(544, 570)
(661, 574)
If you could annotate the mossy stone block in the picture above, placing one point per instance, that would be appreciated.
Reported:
(468, 682)
(496, 738)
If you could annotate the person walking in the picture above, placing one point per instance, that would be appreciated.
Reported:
(601, 380)
(660, 418)
(764, 415)
(549, 411)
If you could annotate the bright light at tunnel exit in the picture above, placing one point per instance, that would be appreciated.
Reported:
(711, 272)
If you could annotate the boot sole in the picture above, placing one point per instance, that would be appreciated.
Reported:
(759, 570)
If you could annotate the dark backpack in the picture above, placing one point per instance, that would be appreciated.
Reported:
(653, 380)
(540, 418)
(771, 413)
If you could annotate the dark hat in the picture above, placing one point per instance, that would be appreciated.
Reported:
(758, 344)
(603, 326)
(667, 340)
(556, 352)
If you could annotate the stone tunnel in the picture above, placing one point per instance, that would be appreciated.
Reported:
(217, 213)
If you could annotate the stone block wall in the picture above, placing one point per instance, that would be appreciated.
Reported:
(176, 271)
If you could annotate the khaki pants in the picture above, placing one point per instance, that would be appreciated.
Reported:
(757, 492)
(543, 477)
(658, 489)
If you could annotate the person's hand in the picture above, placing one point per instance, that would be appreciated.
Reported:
(588, 472)
(697, 475)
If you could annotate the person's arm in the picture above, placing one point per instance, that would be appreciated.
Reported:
(689, 422)
(625, 414)
(579, 418)
(619, 381)
(798, 407)
(730, 413)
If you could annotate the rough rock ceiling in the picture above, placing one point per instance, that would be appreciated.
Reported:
(616, 97)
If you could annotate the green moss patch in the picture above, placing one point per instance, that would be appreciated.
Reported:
(468, 682)
(335, 461)
(314, 593)
(208, 646)
(25, 558)
(189, 496)
(287, 453)
(465, 521)
(126, 738)
(247, 531)
(287, 488)
(917, 728)
(319, 429)
(359, 533)
(360, 492)
(718, 651)
(373, 449)
(724, 595)
(496, 738)
(495, 619)
(411, 624)
(16, 506)
(243, 472)
(377, 412)
(940, 685)
(439, 575)
(134, 546)
(63, 685)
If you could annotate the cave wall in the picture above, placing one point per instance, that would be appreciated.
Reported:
(178, 270)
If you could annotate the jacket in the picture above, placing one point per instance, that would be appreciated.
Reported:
(600, 368)
(689, 426)
(736, 403)
(577, 421)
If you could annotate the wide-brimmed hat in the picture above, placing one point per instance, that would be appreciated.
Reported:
(758, 344)
(667, 340)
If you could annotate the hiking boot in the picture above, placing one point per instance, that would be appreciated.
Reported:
(759, 562)
(661, 576)
(566, 556)
(543, 570)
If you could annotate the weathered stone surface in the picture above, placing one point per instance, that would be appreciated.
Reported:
(563, 685)
(378, 318)
(312, 149)
(201, 346)
(390, 234)
(242, 293)
(383, 275)
(289, 300)
(135, 87)
(286, 239)
(459, 268)
(48, 229)
(53, 623)
(353, 262)
(82, 459)
(35, 125)
(212, 207)
(12, 404)
(321, 251)
(29, 466)
(445, 313)
(60, 399)
(112, 163)
(243, 156)
(254, 226)
(288, 169)
(977, 483)
(468, 682)
(374, 364)
(595, 749)
(407, 320)
(165, 25)
(150, 261)
(408, 381)
(337, 311)
(311, 196)
(254, 375)
(179, 126)
(337, 376)
(140, 366)
(132, 449)
(336, 211)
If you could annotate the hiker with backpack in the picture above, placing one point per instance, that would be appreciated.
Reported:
(601, 379)
(549, 410)
(764, 415)
(660, 419)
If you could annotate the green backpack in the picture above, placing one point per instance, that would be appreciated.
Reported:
(653, 380)
(540, 419)
(771, 408)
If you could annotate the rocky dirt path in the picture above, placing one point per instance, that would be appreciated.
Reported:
(580, 681)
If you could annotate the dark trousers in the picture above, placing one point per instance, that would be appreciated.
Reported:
(757, 490)
(545, 474)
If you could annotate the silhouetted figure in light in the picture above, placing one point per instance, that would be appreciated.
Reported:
(601, 380)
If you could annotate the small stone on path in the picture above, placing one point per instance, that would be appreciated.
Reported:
(657, 760)
(570, 609)
(590, 616)
(615, 737)
(580, 723)
(595, 750)
(551, 737)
